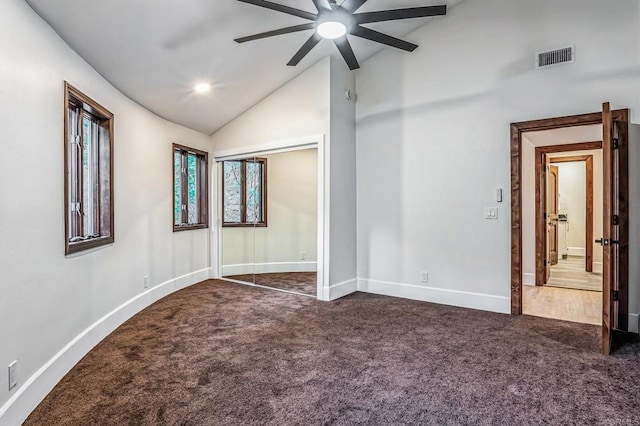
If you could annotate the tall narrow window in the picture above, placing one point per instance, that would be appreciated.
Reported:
(245, 192)
(88, 154)
(190, 177)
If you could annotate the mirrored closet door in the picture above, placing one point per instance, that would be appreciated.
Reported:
(269, 228)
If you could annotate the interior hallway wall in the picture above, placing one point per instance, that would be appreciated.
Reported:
(572, 197)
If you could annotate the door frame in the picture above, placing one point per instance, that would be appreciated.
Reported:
(517, 129)
(540, 159)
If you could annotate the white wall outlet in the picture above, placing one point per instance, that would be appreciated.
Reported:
(491, 213)
(13, 374)
(303, 255)
(424, 277)
(146, 281)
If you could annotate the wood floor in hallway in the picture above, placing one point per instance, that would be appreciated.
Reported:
(571, 294)
(563, 303)
(570, 273)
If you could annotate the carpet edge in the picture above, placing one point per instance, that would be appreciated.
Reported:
(37, 387)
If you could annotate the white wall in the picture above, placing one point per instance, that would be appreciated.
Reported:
(298, 109)
(572, 197)
(343, 270)
(46, 299)
(292, 217)
(313, 104)
(634, 228)
(433, 135)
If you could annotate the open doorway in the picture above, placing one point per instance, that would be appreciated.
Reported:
(573, 209)
(562, 210)
(615, 214)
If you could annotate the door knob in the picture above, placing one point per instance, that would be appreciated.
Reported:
(603, 241)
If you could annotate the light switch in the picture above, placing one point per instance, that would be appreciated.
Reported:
(491, 213)
(499, 195)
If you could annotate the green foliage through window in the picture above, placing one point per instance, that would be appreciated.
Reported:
(190, 208)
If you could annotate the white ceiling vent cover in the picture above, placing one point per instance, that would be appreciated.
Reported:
(565, 55)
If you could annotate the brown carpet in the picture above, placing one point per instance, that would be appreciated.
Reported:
(225, 354)
(298, 282)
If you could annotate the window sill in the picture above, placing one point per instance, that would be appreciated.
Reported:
(189, 227)
(79, 246)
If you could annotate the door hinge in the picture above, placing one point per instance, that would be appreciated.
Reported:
(544, 216)
(615, 295)
(615, 220)
(545, 262)
(615, 143)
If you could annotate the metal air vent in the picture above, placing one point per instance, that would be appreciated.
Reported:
(566, 55)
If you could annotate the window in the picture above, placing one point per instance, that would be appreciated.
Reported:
(190, 199)
(245, 192)
(88, 172)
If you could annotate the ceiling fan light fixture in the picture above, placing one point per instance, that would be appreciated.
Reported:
(335, 21)
(202, 88)
(332, 30)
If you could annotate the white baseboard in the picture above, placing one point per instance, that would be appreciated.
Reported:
(339, 290)
(268, 268)
(634, 323)
(464, 299)
(597, 267)
(576, 251)
(529, 279)
(34, 389)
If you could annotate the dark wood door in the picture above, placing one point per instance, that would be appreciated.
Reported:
(611, 233)
(550, 204)
(553, 214)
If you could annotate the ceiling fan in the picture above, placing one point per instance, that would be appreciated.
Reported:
(335, 21)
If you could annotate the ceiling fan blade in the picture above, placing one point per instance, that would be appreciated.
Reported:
(322, 5)
(346, 51)
(379, 37)
(287, 30)
(306, 48)
(408, 13)
(352, 5)
(282, 8)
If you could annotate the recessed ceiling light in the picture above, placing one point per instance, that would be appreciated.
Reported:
(202, 88)
(332, 29)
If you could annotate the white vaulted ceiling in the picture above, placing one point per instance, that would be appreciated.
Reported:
(155, 51)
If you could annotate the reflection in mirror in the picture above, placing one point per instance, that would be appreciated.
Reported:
(270, 220)
(238, 234)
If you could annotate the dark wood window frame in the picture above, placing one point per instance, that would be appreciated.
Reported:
(203, 185)
(103, 194)
(243, 194)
